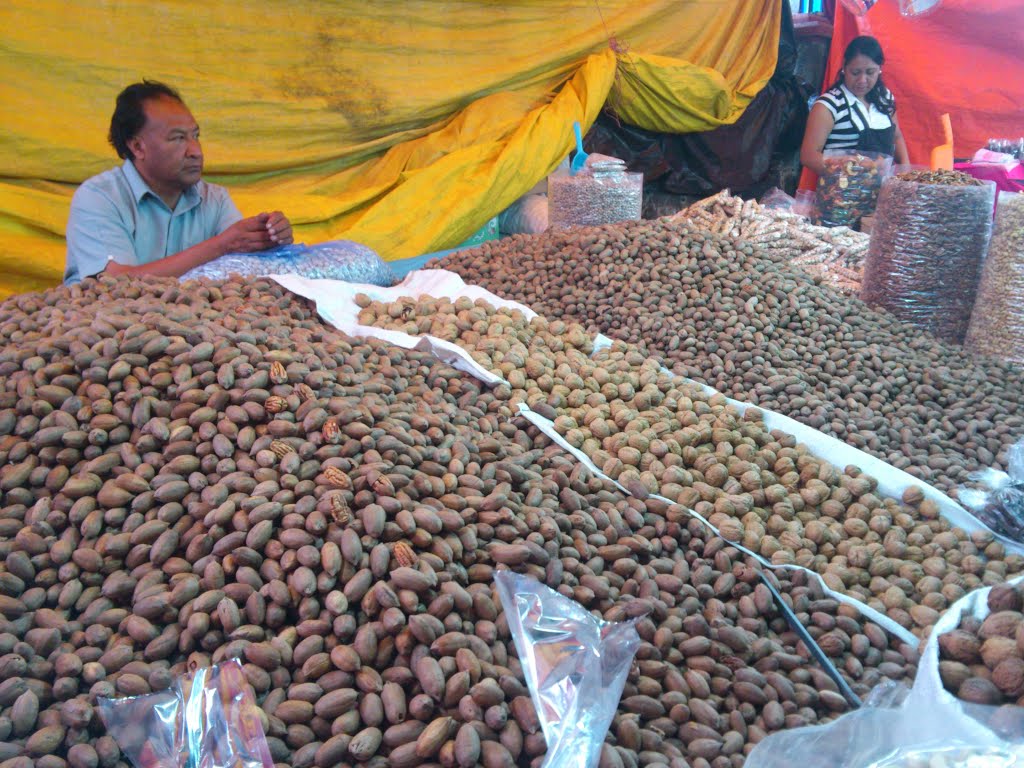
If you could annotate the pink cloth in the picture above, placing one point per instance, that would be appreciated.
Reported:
(1007, 179)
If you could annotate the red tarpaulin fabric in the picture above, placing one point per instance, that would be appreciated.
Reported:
(964, 57)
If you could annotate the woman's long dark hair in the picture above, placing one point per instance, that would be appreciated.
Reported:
(866, 45)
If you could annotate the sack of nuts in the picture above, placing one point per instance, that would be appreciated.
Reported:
(929, 240)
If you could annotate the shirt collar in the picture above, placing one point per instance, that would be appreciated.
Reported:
(852, 99)
(190, 198)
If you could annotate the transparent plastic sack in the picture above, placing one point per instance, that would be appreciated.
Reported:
(848, 190)
(208, 720)
(999, 504)
(926, 251)
(806, 203)
(997, 321)
(333, 260)
(923, 727)
(526, 216)
(575, 666)
(777, 200)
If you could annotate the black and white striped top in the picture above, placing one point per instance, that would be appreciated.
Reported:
(849, 122)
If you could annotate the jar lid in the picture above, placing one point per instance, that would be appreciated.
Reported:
(608, 166)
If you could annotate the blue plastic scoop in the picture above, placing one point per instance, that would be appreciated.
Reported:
(580, 159)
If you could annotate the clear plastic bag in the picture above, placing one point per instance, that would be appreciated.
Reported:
(777, 200)
(997, 322)
(926, 252)
(848, 190)
(925, 727)
(575, 666)
(527, 216)
(918, 7)
(1000, 503)
(333, 260)
(206, 721)
(806, 204)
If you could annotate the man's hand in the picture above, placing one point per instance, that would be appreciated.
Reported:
(279, 228)
(247, 235)
(257, 233)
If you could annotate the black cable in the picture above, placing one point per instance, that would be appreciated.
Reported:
(819, 655)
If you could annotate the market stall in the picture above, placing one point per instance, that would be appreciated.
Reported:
(221, 469)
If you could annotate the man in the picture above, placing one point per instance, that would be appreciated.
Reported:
(154, 215)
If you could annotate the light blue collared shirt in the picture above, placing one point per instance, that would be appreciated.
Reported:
(116, 215)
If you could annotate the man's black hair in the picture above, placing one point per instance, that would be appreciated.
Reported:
(129, 115)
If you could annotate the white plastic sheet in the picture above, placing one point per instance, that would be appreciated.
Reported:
(336, 303)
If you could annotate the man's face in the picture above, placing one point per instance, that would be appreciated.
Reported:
(166, 151)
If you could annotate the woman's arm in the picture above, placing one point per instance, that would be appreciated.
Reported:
(819, 125)
(902, 157)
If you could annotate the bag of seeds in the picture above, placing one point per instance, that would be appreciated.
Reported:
(848, 190)
(927, 247)
(997, 322)
(333, 260)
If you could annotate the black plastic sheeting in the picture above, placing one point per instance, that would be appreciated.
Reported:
(749, 157)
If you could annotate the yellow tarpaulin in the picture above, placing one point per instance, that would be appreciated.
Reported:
(402, 125)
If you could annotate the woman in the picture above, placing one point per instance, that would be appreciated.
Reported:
(858, 112)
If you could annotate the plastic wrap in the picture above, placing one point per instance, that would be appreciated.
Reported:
(603, 193)
(777, 200)
(918, 7)
(528, 216)
(206, 721)
(333, 260)
(997, 322)
(1000, 504)
(575, 666)
(927, 249)
(848, 190)
(924, 728)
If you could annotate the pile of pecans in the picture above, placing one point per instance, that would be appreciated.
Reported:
(192, 475)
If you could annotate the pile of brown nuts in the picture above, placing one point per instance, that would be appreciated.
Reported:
(982, 661)
(941, 176)
(713, 309)
(654, 433)
(192, 473)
